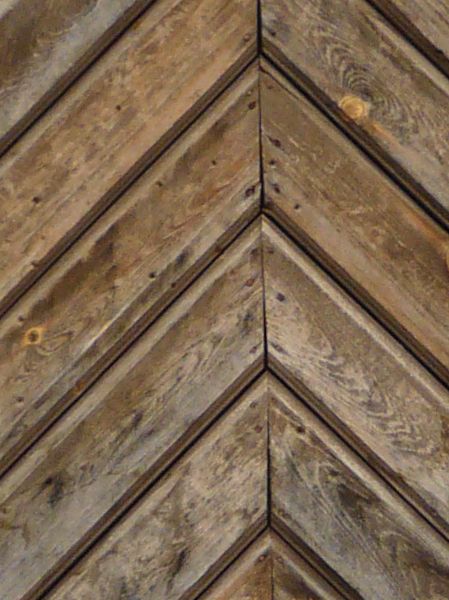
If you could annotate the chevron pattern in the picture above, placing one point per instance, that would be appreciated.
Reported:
(224, 305)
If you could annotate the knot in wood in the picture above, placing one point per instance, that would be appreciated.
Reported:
(355, 108)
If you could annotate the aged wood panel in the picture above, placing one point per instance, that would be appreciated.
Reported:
(358, 377)
(128, 266)
(191, 523)
(136, 419)
(426, 23)
(373, 236)
(116, 119)
(44, 44)
(335, 504)
(383, 90)
(249, 578)
(294, 579)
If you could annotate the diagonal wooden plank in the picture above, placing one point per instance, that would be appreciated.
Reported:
(133, 423)
(381, 245)
(112, 123)
(135, 259)
(44, 45)
(377, 85)
(426, 23)
(191, 523)
(358, 377)
(249, 578)
(294, 579)
(323, 496)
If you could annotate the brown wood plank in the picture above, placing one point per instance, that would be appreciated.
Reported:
(192, 523)
(392, 99)
(335, 505)
(294, 579)
(133, 422)
(113, 122)
(320, 186)
(44, 45)
(249, 578)
(426, 23)
(359, 378)
(132, 262)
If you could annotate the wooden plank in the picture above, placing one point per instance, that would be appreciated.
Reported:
(133, 261)
(379, 87)
(294, 579)
(44, 45)
(249, 578)
(133, 422)
(190, 524)
(359, 378)
(334, 504)
(354, 219)
(111, 124)
(426, 24)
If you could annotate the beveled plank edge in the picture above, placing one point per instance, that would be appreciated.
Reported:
(75, 72)
(121, 186)
(335, 270)
(402, 24)
(249, 382)
(107, 361)
(382, 159)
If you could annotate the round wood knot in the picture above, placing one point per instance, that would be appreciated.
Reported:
(33, 336)
(354, 108)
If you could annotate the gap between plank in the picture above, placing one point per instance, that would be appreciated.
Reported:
(377, 156)
(118, 513)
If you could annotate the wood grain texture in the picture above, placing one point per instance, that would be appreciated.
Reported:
(294, 579)
(334, 504)
(361, 380)
(191, 523)
(133, 261)
(426, 24)
(373, 81)
(114, 121)
(331, 197)
(249, 578)
(44, 45)
(133, 422)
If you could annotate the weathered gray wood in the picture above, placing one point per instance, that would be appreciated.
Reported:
(320, 186)
(133, 261)
(294, 579)
(425, 22)
(358, 377)
(192, 523)
(334, 504)
(116, 119)
(249, 578)
(44, 45)
(133, 422)
(360, 69)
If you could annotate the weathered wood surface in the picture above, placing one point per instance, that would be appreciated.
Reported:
(132, 423)
(44, 45)
(358, 377)
(128, 266)
(294, 579)
(334, 503)
(367, 75)
(249, 578)
(192, 523)
(320, 186)
(426, 23)
(109, 125)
